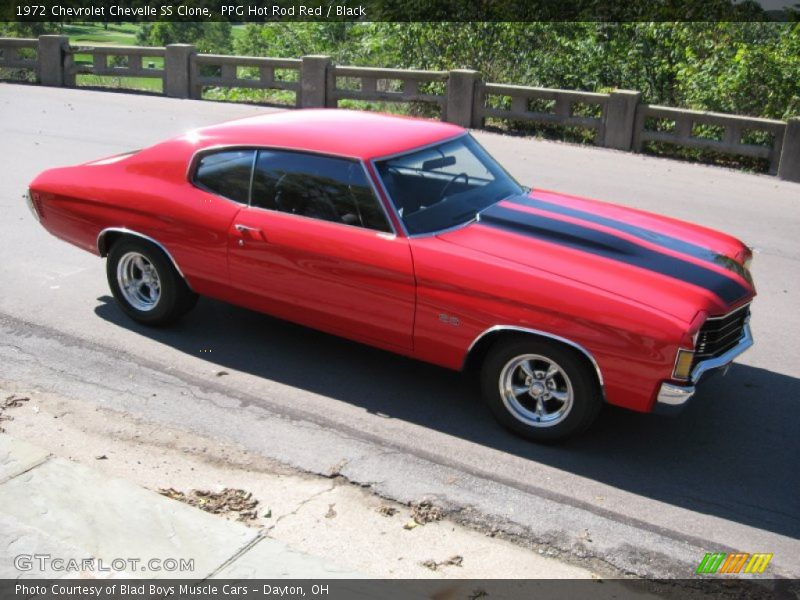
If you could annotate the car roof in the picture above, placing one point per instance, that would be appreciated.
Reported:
(357, 134)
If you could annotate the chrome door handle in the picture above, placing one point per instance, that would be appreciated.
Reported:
(245, 229)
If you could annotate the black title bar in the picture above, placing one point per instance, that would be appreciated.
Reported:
(242, 11)
(409, 589)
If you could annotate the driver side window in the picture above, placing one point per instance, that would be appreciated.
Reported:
(320, 187)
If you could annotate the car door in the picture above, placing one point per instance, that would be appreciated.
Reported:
(316, 247)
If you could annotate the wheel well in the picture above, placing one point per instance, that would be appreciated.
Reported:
(478, 352)
(107, 239)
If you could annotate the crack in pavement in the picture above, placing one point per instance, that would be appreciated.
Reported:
(28, 470)
(300, 507)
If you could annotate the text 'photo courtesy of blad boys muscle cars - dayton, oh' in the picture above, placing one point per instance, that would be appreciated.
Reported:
(405, 234)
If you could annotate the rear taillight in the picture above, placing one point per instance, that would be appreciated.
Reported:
(32, 198)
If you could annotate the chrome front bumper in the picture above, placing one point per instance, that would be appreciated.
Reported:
(673, 397)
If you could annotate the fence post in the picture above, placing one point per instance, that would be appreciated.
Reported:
(50, 55)
(620, 119)
(177, 70)
(461, 85)
(314, 81)
(789, 168)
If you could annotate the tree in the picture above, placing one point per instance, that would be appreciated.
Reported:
(214, 37)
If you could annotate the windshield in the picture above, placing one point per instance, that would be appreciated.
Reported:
(445, 185)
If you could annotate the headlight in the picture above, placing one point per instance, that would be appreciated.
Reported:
(683, 364)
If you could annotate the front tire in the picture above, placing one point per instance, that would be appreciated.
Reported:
(539, 389)
(145, 284)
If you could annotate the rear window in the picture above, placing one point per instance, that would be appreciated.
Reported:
(226, 173)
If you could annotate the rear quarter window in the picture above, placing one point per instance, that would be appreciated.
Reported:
(226, 173)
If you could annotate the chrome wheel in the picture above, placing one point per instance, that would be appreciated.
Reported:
(139, 282)
(536, 390)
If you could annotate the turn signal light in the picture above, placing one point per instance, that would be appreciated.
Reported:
(683, 364)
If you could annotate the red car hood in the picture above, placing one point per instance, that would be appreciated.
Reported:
(670, 265)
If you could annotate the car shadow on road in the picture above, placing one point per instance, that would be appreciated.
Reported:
(735, 449)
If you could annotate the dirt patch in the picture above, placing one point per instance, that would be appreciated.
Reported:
(227, 502)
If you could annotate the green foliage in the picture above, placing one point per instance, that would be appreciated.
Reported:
(753, 69)
(750, 68)
(211, 38)
(364, 44)
(28, 30)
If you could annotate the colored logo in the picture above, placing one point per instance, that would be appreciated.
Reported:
(721, 563)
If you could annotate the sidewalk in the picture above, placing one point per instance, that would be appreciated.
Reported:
(89, 485)
(54, 506)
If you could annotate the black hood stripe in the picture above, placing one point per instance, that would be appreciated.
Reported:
(640, 232)
(654, 237)
(613, 247)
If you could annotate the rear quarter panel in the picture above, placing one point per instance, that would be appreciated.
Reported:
(147, 193)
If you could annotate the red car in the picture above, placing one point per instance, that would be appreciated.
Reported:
(406, 235)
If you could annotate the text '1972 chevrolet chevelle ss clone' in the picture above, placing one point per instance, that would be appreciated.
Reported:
(406, 235)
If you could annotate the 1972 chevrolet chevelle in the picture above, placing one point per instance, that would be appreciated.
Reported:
(406, 235)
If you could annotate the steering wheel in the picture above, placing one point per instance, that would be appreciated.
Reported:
(451, 182)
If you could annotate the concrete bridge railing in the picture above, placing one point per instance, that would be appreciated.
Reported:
(206, 70)
(690, 128)
(388, 85)
(619, 119)
(113, 61)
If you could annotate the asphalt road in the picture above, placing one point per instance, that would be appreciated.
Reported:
(637, 494)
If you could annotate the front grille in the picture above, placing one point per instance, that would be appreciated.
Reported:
(720, 334)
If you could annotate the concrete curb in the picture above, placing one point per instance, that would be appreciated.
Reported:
(51, 506)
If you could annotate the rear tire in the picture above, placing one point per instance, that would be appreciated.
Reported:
(539, 389)
(145, 284)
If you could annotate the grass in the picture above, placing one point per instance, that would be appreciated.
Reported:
(121, 34)
(90, 34)
(144, 84)
(116, 34)
(250, 96)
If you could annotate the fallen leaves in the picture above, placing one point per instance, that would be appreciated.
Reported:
(422, 513)
(425, 511)
(228, 501)
(12, 401)
(453, 561)
(387, 511)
